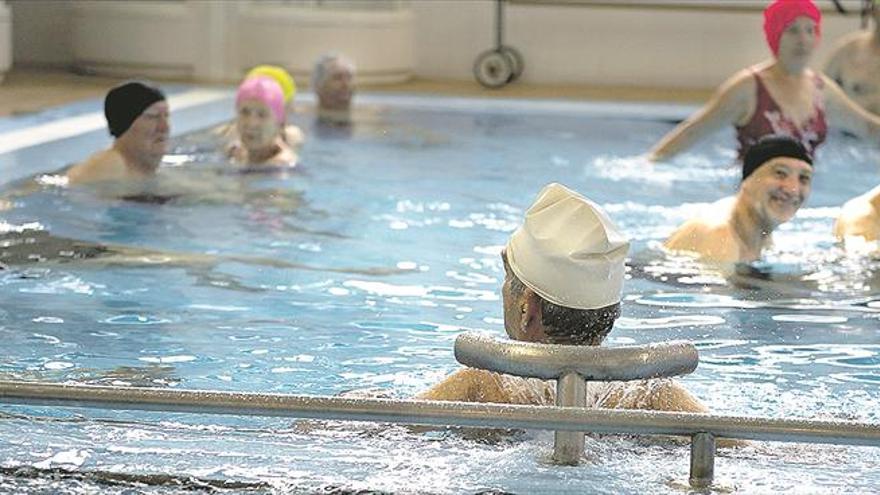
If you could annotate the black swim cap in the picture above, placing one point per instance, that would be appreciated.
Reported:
(127, 102)
(770, 147)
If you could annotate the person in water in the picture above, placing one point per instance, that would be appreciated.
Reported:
(333, 80)
(855, 63)
(564, 269)
(776, 180)
(859, 222)
(137, 118)
(260, 125)
(781, 96)
(292, 134)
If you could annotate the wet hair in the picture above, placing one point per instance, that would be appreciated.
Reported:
(320, 70)
(570, 326)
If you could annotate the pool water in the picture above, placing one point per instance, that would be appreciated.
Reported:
(359, 269)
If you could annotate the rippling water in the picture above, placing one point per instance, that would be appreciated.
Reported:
(359, 270)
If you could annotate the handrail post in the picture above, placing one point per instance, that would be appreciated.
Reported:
(568, 446)
(499, 24)
(702, 460)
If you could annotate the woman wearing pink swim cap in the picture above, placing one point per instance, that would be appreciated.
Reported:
(260, 122)
(780, 96)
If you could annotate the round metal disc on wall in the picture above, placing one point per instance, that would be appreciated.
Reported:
(493, 69)
(516, 61)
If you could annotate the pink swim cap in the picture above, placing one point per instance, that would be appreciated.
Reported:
(779, 14)
(266, 90)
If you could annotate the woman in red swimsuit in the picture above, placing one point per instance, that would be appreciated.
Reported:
(779, 96)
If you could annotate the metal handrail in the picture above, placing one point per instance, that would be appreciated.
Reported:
(572, 366)
(637, 422)
(549, 361)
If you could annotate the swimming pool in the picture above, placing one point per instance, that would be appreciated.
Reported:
(359, 270)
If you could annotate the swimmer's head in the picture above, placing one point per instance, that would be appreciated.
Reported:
(281, 76)
(126, 102)
(782, 13)
(778, 179)
(265, 90)
(566, 264)
(770, 147)
(333, 82)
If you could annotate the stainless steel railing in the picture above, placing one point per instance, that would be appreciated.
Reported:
(548, 361)
(572, 366)
(702, 427)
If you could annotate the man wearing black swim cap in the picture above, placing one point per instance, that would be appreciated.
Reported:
(137, 117)
(776, 180)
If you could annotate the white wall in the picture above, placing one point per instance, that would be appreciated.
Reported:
(599, 45)
(437, 39)
(41, 32)
(139, 37)
(380, 42)
(5, 39)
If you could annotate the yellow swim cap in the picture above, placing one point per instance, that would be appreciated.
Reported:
(281, 76)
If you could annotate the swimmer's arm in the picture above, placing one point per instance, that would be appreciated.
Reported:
(226, 130)
(848, 114)
(728, 106)
(285, 157)
(7, 200)
(833, 67)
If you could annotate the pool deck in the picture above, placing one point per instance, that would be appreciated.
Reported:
(29, 90)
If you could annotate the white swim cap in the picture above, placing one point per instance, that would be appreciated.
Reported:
(568, 251)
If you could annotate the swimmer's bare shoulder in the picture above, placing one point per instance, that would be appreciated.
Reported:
(842, 52)
(709, 237)
(102, 166)
(470, 385)
(462, 385)
(659, 394)
(858, 218)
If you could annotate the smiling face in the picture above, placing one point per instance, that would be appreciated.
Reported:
(777, 189)
(147, 137)
(256, 124)
(798, 41)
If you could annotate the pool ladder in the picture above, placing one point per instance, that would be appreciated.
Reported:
(573, 365)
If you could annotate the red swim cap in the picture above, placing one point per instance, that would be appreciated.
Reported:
(779, 14)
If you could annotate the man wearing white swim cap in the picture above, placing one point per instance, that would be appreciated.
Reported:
(564, 270)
